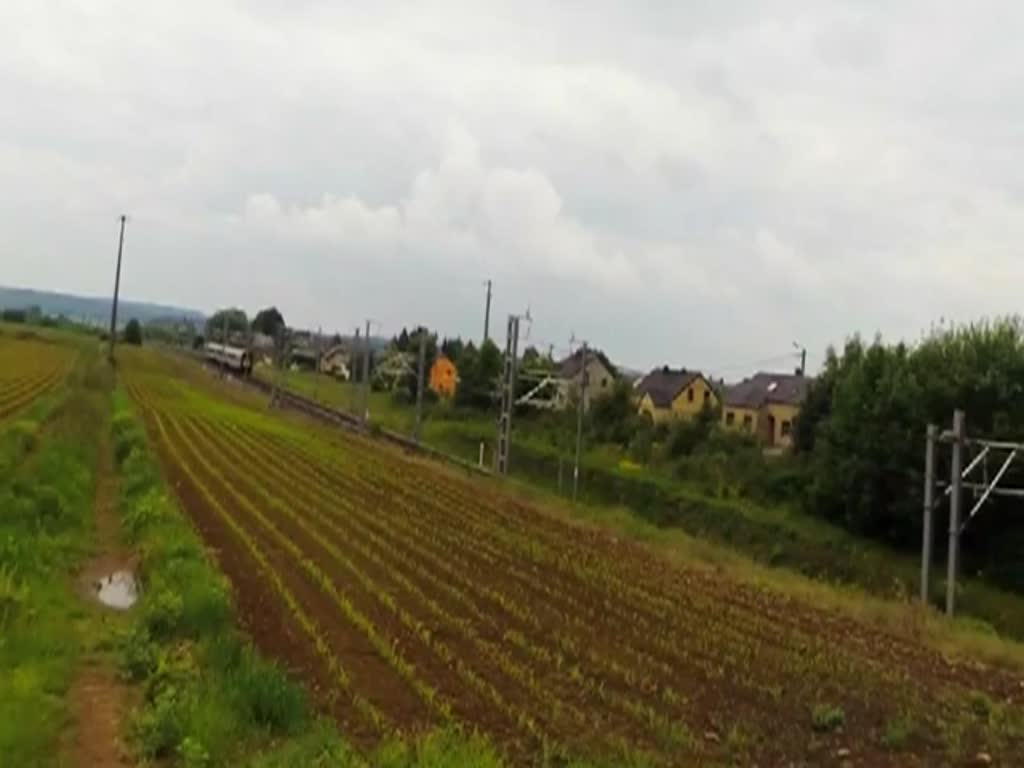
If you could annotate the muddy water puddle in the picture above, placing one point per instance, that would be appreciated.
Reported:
(119, 590)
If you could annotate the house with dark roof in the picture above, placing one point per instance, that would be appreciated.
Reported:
(766, 405)
(667, 393)
(599, 371)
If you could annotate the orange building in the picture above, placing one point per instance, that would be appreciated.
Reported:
(443, 377)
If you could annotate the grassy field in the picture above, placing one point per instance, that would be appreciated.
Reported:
(410, 598)
(47, 455)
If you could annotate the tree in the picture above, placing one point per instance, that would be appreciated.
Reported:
(268, 321)
(237, 322)
(452, 349)
(614, 418)
(479, 371)
(536, 360)
(866, 430)
(412, 346)
(133, 332)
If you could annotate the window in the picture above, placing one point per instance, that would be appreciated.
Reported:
(689, 394)
(748, 422)
(707, 396)
(604, 382)
(730, 418)
(785, 428)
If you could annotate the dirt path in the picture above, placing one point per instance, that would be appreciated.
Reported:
(98, 701)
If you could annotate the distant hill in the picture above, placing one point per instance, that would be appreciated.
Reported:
(93, 311)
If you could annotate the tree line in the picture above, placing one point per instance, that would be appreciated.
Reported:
(861, 436)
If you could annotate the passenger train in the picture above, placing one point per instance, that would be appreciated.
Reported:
(235, 359)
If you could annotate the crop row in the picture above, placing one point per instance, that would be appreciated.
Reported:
(271, 575)
(496, 651)
(413, 568)
(656, 625)
(19, 391)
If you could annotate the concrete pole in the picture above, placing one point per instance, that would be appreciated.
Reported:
(420, 376)
(929, 509)
(366, 375)
(117, 292)
(353, 372)
(580, 408)
(955, 495)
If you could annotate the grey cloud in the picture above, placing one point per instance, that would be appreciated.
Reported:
(695, 182)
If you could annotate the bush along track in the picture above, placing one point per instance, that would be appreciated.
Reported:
(209, 698)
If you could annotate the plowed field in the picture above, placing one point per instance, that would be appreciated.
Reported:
(28, 369)
(408, 596)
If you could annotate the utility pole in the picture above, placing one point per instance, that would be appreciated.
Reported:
(420, 372)
(353, 371)
(117, 291)
(955, 498)
(366, 375)
(316, 372)
(508, 396)
(487, 313)
(580, 408)
(931, 436)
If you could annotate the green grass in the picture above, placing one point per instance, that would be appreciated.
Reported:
(209, 698)
(46, 494)
(826, 718)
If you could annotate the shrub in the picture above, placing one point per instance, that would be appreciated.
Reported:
(265, 694)
(897, 731)
(826, 717)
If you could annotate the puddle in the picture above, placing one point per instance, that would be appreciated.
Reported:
(119, 590)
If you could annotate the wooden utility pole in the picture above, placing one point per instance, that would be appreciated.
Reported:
(487, 313)
(117, 291)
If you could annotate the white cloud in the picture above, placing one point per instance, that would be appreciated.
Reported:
(695, 182)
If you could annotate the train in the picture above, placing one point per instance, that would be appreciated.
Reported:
(235, 359)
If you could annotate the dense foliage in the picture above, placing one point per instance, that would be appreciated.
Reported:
(237, 322)
(479, 370)
(133, 332)
(268, 321)
(862, 433)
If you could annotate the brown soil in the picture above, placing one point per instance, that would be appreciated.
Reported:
(98, 701)
(561, 621)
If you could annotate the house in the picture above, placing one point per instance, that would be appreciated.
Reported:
(570, 373)
(667, 393)
(443, 377)
(766, 405)
(336, 362)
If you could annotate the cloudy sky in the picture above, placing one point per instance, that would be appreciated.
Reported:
(698, 183)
